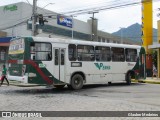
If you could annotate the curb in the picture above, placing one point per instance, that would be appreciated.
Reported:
(146, 81)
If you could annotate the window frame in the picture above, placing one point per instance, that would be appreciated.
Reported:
(128, 58)
(74, 54)
(121, 57)
(102, 60)
(34, 51)
(80, 57)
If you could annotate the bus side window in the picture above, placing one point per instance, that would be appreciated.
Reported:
(85, 53)
(131, 55)
(102, 53)
(72, 52)
(32, 50)
(118, 54)
(40, 51)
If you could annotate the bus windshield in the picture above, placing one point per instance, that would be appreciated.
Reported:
(16, 56)
(17, 46)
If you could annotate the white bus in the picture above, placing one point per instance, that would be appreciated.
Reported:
(61, 62)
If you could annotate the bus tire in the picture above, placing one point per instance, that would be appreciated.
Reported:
(59, 86)
(109, 83)
(128, 79)
(69, 87)
(77, 82)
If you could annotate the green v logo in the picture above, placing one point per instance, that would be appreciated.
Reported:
(99, 65)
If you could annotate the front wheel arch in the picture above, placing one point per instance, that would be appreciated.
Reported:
(80, 73)
(77, 82)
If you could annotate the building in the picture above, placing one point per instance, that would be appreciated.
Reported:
(15, 21)
(156, 45)
(4, 43)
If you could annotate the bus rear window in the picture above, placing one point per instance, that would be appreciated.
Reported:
(41, 51)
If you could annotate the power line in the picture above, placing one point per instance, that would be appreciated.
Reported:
(102, 8)
(20, 23)
(116, 5)
(89, 5)
(21, 20)
(28, 2)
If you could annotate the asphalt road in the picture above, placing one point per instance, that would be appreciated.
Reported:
(114, 97)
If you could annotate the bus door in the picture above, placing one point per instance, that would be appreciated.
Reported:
(59, 63)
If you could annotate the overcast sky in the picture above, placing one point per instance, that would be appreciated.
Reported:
(108, 20)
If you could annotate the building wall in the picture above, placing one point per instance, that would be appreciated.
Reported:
(23, 11)
(3, 50)
(3, 34)
(10, 16)
(20, 12)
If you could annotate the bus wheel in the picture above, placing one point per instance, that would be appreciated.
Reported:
(77, 82)
(69, 87)
(59, 86)
(109, 83)
(128, 79)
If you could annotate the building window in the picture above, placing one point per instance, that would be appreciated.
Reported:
(2, 55)
(99, 39)
(103, 40)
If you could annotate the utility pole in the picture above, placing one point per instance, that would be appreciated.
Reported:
(93, 34)
(72, 25)
(34, 18)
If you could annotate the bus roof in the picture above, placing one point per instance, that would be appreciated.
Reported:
(82, 42)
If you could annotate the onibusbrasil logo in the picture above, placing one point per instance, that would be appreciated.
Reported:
(101, 66)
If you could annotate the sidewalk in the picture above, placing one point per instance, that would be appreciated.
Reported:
(150, 80)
